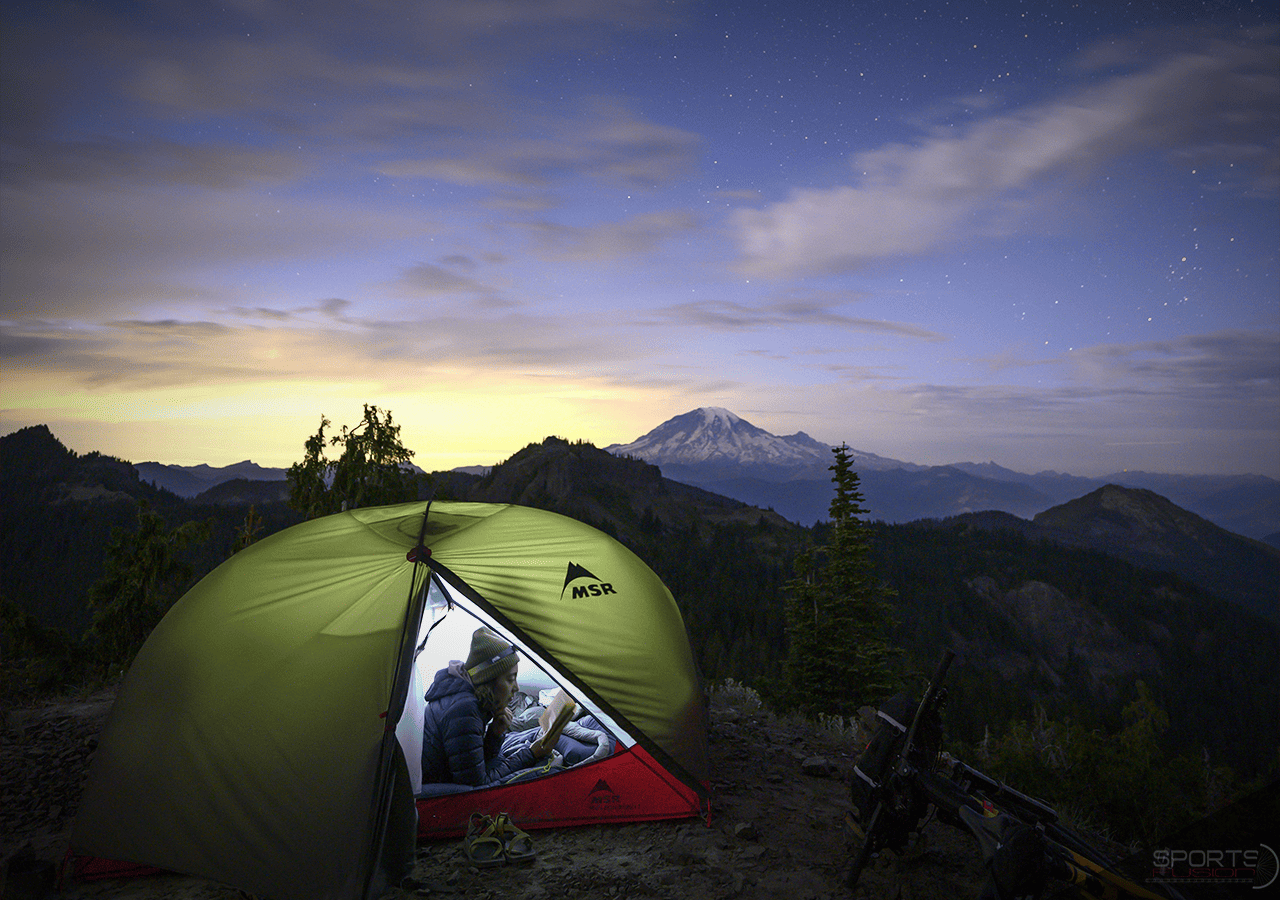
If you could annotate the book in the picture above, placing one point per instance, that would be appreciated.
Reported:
(553, 719)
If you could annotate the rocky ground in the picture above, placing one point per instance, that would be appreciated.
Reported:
(777, 829)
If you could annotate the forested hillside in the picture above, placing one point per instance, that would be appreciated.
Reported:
(1035, 622)
(57, 514)
(1072, 630)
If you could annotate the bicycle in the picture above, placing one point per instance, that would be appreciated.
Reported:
(903, 778)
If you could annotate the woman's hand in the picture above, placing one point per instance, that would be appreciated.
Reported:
(501, 723)
(541, 748)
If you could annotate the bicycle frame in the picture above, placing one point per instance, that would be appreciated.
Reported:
(966, 798)
(904, 767)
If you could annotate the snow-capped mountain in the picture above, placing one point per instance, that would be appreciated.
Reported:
(712, 438)
(712, 434)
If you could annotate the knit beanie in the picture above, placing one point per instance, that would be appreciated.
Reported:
(490, 656)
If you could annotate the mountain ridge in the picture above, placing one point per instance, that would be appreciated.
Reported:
(620, 494)
(1148, 530)
(797, 485)
(189, 481)
(719, 451)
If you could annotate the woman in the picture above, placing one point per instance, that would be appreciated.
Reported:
(457, 747)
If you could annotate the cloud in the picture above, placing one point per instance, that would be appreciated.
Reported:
(1221, 380)
(865, 374)
(425, 278)
(607, 240)
(607, 141)
(1236, 367)
(129, 354)
(272, 346)
(150, 162)
(331, 75)
(333, 307)
(460, 261)
(391, 66)
(155, 167)
(103, 250)
(261, 312)
(1218, 101)
(172, 329)
(1206, 403)
(426, 281)
(791, 312)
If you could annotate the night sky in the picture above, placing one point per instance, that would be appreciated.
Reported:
(1044, 234)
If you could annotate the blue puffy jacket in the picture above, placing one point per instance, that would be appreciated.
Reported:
(453, 744)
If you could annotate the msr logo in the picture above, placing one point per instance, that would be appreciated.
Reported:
(602, 794)
(593, 587)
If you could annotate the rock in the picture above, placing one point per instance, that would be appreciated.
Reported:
(685, 853)
(746, 831)
(28, 878)
(818, 767)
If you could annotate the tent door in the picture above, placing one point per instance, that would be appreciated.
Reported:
(450, 619)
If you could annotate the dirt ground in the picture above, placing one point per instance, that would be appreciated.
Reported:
(777, 829)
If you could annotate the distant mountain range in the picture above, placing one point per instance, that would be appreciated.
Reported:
(191, 481)
(717, 450)
(714, 449)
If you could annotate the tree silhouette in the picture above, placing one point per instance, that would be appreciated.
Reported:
(838, 613)
(145, 571)
(372, 469)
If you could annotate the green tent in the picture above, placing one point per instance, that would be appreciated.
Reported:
(254, 740)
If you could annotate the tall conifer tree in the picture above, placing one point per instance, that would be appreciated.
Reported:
(839, 614)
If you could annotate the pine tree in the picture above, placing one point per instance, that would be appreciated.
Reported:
(839, 614)
(145, 572)
(372, 469)
(247, 531)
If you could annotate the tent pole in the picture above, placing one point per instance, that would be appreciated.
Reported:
(401, 676)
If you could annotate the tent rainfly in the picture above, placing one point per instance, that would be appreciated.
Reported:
(268, 734)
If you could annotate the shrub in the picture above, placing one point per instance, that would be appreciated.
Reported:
(1122, 782)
